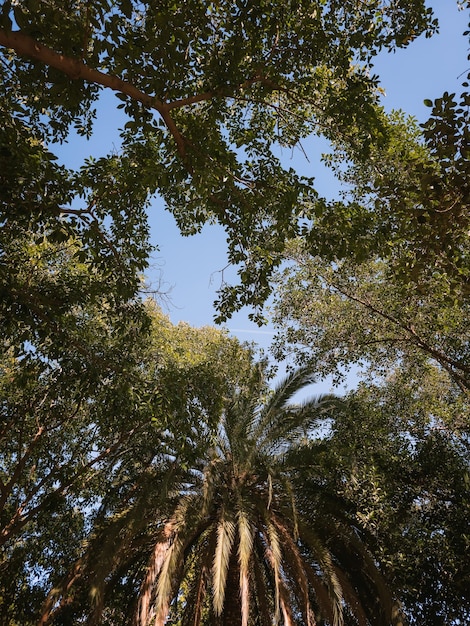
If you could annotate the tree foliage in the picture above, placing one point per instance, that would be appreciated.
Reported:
(361, 315)
(408, 202)
(211, 90)
(145, 470)
(395, 457)
(75, 430)
(381, 277)
(378, 284)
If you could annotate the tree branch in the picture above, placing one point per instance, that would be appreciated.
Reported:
(208, 95)
(449, 364)
(23, 515)
(76, 69)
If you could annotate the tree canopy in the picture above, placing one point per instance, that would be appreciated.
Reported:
(211, 90)
(407, 472)
(381, 277)
(136, 456)
(378, 285)
(361, 315)
(77, 432)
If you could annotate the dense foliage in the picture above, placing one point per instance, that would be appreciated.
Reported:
(378, 289)
(145, 469)
(211, 90)
(73, 441)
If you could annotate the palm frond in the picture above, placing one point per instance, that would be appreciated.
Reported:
(184, 524)
(307, 456)
(201, 566)
(274, 556)
(287, 388)
(296, 422)
(260, 595)
(286, 607)
(336, 593)
(241, 414)
(351, 597)
(294, 562)
(245, 546)
(369, 585)
(239, 417)
(149, 585)
(213, 477)
(225, 537)
(165, 581)
(288, 503)
(356, 561)
(320, 554)
(321, 593)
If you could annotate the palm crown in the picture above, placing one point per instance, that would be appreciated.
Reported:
(248, 533)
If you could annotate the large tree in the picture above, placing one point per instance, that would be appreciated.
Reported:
(381, 277)
(99, 402)
(379, 284)
(365, 317)
(243, 533)
(408, 474)
(212, 90)
(76, 428)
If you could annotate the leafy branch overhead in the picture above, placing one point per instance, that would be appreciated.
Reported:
(211, 91)
(360, 315)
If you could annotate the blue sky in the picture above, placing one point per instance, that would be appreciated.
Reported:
(189, 267)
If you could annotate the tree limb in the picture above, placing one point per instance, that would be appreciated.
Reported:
(76, 69)
(449, 364)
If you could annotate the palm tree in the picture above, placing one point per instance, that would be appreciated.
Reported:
(247, 534)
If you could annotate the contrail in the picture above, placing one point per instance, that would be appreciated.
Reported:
(254, 331)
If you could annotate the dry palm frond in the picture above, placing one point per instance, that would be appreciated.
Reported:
(270, 491)
(158, 587)
(225, 537)
(293, 561)
(148, 588)
(288, 618)
(245, 546)
(351, 597)
(261, 595)
(165, 581)
(274, 556)
(332, 602)
(171, 561)
(196, 598)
